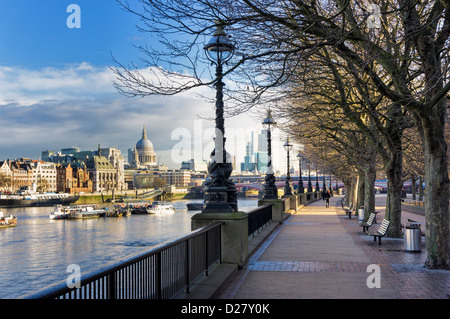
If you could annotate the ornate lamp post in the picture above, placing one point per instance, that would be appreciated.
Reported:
(317, 179)
(270, 189)
(300, 188)
(310, 189)
(221, 196)
(288, 188)
(324, 186)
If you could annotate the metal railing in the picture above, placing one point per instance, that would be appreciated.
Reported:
(161, 273)
(258, 217)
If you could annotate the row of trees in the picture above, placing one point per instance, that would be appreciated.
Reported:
(358, 80)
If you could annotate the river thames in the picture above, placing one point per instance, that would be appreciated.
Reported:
(38, 251)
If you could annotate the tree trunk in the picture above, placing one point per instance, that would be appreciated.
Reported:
(436, 190)
(360, 190)
(420, 188)
(369, 189)
(394, 196)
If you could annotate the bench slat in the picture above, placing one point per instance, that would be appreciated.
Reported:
(381, 231)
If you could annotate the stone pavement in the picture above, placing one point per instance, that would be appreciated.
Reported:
(320, 253)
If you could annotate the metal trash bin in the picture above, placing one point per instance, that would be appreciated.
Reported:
(361, 213)
(413, 237)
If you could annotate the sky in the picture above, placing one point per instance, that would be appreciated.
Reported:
(56, 89)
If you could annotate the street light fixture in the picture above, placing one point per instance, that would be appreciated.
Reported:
(220, 192)
(288, 187)
(300, 188)
(270, 189)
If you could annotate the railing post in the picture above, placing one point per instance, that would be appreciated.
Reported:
(206, 253)
(186, 265)
(112, 286)
(158, 274)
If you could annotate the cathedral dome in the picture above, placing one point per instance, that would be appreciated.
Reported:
(144, 154)
(144, 143)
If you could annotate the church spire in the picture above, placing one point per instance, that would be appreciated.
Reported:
(144, 133)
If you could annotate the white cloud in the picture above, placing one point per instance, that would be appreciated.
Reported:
(54, 108)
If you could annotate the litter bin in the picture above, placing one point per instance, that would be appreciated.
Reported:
(361, 213)
(413, 237)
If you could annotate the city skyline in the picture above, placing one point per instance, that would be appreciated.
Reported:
(56, 85)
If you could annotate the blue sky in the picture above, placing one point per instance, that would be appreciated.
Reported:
(35, 34)
(56, 87)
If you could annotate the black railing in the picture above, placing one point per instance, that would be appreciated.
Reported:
(259, 217)
(161, 273)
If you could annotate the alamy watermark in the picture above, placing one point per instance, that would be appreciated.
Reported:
(374, 19)
(74, 279)
(74, 19)
(374, 279)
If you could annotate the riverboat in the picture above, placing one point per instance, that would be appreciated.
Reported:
(88, 211)
(27, 197)
(7, 221)
(60, 212)
(119, 211)
(160, 208)
(139, 207)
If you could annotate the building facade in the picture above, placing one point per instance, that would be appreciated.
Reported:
(44, 176)
(73, 178)
(103, 174)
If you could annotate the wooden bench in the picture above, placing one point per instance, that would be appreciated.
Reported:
(349, 210)
(365, 225)
(380, 232)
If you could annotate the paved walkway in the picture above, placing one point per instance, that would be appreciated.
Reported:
(320, 253)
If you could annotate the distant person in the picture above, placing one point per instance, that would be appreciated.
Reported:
(327, 198)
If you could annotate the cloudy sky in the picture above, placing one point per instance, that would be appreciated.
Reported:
(56, 89)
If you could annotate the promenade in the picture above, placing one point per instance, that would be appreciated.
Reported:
(320, 253)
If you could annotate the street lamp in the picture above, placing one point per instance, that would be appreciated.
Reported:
(324, 186)
(300, 189)
(310, 189)
(317, 179)
(288, 187)
(220, 193)
(270, 189)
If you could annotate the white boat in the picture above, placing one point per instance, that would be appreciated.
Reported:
(160, 208)
(60, 212)
(7, 221)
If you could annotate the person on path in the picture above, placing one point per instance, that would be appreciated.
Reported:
(327, 198)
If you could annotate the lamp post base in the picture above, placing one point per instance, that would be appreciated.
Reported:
(220, 199)
(270, 189)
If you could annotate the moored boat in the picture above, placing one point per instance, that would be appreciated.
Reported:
(7, 221)
(29, 198)
(139, 208)
(59, 212)
(160, 208)
(88, 211)
(119, 211)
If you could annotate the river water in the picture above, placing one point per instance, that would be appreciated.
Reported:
(38, 251)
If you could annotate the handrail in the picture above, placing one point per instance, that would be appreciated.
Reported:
(145, 271)
(258, 217)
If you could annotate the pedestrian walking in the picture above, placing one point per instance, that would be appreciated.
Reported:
(327, 198)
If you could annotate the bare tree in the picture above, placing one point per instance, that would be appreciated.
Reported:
(405, 59)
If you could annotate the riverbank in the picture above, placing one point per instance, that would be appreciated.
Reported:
(96, 198)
